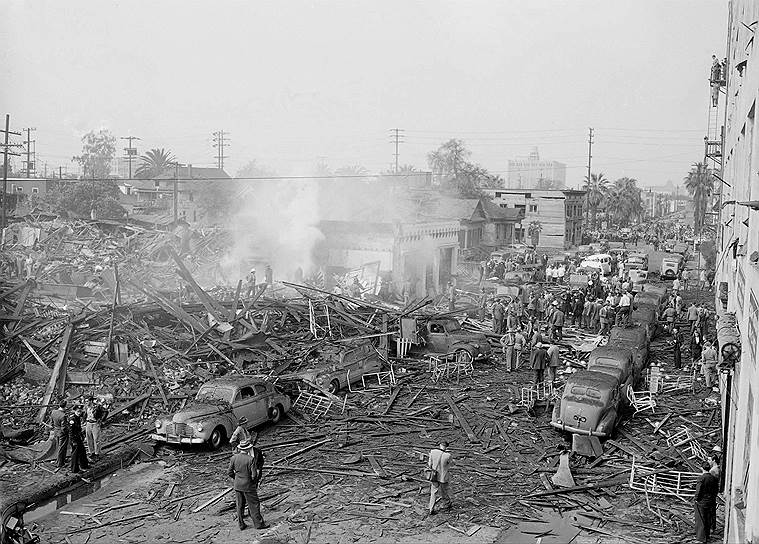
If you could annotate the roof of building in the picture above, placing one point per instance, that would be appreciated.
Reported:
(194, 172)
(466, 209)
(495, 212)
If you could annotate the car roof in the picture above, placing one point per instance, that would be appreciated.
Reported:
(610, 352)
(592, 378)
(636, 334)
(239, 381)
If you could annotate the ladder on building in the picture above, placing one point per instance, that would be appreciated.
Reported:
(713, 141)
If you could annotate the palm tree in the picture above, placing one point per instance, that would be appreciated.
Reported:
(700, 184)
(624, 201)
(596, 189)
(154, 163)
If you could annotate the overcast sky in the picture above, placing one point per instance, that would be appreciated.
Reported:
(297, 81)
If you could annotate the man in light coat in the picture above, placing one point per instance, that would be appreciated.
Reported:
(439, 461)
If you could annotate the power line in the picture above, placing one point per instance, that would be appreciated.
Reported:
(5, 167)
(131, 152)
(590, 150)
(29, 151)
(396, 137)
(220, 144)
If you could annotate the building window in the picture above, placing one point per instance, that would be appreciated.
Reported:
(533, 207)
(35, 190)
(19, 189)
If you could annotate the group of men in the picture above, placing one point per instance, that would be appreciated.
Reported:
(80, 424)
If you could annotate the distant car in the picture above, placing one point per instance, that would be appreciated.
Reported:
(670, 266)
(637, 261)
(218, 406)
(638, 278)
(599, 261)
(681, 249)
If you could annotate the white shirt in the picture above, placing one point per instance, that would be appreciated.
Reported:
(624, 300)
(549, 272)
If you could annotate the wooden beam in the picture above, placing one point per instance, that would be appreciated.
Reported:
(392, 398)
(31, 350)
(212, 306)
(462, 420)
(58, 377)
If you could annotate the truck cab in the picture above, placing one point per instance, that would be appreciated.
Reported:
(444, 335)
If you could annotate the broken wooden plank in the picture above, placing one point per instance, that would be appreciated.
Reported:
(460, 417)
(58, 377)
(586, 487)
(376, 467)
(212, 500)
(392, 398)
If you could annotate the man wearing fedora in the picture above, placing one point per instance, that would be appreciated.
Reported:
(245, 467)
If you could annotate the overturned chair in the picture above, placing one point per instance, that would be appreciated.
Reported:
(448, 366)
(641, 400)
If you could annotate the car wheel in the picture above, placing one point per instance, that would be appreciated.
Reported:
(276, 413)
(463, 356)
(218, 437)
(334, 386)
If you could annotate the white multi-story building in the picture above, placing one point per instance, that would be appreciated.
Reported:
(536, 173)
(737, 273)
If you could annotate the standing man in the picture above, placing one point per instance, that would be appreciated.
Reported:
(498, 314)
(451, 297)
(76, 434)
(250, 283)
(538, 362)
(245, 467)
(483, 303)
(557, 323)
(239, 435)
(603, 316)
(507, 341)
(709, 365)
(61, 432)
(95, 416)
(519, 344)
(678, 347)
(692, 316)
(624, 308)
(439, 462)
(553, 361)
(707, 487)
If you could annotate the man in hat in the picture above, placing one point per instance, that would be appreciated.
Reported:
(557, 322)
(240, 434)
(507, 341)
(61, 431)
(519, 343)
(707, 487)
(498, 314)
(95, 415)
(245, 467)
(76, 435)
(439, 461)
(552, 354)
(709, 364)
(538, 362)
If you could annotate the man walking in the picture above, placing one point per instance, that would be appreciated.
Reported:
(245, 467)
(61, 432)
(552, 354)
(439, 463)
(557, 323)
(76, 434)
(709, 365)
(706, 502)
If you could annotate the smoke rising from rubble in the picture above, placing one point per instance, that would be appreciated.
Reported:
(275, 223)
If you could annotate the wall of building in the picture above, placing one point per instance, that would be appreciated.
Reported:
(547, 207)
(741, 163)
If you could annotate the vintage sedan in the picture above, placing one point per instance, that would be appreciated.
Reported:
(591, 401)
(218, 406)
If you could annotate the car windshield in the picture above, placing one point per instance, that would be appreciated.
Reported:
(452, 326)
(211, 392)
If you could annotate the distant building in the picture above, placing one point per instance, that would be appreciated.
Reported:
(557, 214)
(534, 172)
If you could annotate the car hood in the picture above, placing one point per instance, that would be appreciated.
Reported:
(196, 411)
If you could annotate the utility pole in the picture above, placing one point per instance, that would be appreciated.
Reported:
(29, 152)
(396, 136)
(7, 132)
(131, 152)
(60, 172)
(220, 144)
(590, 150)
(175, 195)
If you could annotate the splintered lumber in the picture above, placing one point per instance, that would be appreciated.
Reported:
(392, 398)
(461, 419)
(302, 450)
(177, 311)
(129, 404)
(211, 305)
(58, 370)
(34, 353)
(597, 485)
(212, 500)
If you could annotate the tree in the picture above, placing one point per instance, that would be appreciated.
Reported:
(546, 184)
(352, 170)
(455, 173)
(533, 231)
(624, 202)
(595, 189)
(700, 184)
(98, 151)
(154, 163)
(87, 198)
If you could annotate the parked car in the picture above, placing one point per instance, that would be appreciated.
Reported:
(599, 261)
(670, 266)
(638, 278)
(637, 261)
(636, 339)
(218, 406)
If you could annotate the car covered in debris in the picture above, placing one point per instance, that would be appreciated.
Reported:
(335, 370)
(219, 404)
(592, 400)
(444, 335)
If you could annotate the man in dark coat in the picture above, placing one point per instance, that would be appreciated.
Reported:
(245, 467)
(678, 346)
(76, 435)
(61, 432)
(707, 487)
(538, 362)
